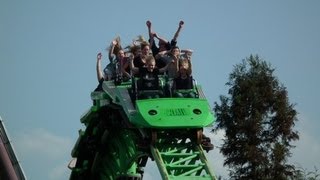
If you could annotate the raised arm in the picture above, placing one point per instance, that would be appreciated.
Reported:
(111, 49)
(98, 67)
(187, 51)
(176, 35)
(161, 54)
(160, 38)
(151, 36)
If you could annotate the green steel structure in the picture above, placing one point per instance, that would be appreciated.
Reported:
(122, 131)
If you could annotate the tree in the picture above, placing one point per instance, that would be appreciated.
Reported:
(258, 121)
(304, 174)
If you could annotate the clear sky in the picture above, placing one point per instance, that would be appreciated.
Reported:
(48, 54)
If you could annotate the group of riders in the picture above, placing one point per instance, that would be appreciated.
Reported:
(147, 63)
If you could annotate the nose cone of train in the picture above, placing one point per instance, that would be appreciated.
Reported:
(173, 113)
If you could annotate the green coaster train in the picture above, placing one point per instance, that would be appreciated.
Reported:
(122, 131)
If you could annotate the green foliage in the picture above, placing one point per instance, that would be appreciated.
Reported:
(258, 121)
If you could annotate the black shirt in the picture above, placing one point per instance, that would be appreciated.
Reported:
(181, 83)
(149, 80)
(137, 61)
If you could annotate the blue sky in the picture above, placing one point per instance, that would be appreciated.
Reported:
(48, 53)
